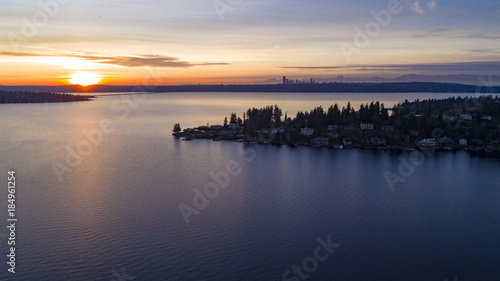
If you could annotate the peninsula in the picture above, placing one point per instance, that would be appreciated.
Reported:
(31, 97)
(471, 123)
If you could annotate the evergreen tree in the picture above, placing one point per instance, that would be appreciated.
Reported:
(177, 128)
(233, 118)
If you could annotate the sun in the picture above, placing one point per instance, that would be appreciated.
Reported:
(85, 78)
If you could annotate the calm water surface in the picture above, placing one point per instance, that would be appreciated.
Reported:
(114, 213)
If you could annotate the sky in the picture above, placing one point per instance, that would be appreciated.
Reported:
(122, 42)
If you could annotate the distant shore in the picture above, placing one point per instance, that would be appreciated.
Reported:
(393, 87)
(32, 97)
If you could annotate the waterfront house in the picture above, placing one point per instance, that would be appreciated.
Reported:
(332, 127)
(366, 126)
(466, 117)
(428, 142)
(324, 141)
(347, 142)
(334, 134)
(448, 118)
(307, 131)
(216, 127)
(486, 117)
(234, 126)
(463, 141)
(376, 141)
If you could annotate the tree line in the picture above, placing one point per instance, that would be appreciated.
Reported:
(419, 117)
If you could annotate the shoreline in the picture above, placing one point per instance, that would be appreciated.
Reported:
(472, 150)
(471, 124)
(43, 97)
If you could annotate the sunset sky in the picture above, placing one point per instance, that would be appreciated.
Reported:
(229, 41)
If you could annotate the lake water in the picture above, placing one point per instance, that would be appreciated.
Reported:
(99, 186)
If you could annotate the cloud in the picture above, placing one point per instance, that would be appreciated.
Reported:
(485, 50)
(432, 5)
(441, 32)
(435, 32)
(474, 66)
(418, 7)
(313, 67)
(481, 36)
(20, 54)
(415, 5)
(126, 61)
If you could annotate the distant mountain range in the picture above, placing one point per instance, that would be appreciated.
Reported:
(491, 80)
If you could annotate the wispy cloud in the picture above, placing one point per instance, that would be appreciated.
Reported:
(465, 67)
(126, 61)
(481, 36)
(432, 4)
(145, 61)
(20, 54)
(313, 67)
(435, 32)
(418, 7)
(485, 50)
(415, 5)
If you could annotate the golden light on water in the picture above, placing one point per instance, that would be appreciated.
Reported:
(85, 78)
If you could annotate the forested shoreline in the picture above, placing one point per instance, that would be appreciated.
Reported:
(42, 97)
(452, 123)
